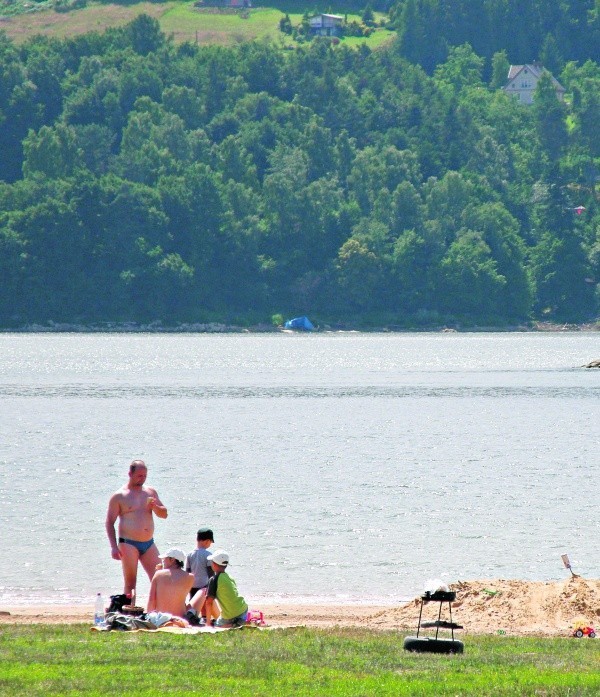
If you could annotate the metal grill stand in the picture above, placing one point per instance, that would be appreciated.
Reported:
(435, 644)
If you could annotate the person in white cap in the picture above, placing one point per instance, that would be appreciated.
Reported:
(170, 585)
(221, 587)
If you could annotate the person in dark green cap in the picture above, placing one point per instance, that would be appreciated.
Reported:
(197, 561)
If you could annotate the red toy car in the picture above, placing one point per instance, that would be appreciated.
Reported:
(581, 630)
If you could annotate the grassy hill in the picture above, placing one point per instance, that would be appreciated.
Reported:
(21, 19)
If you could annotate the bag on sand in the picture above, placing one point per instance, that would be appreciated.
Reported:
(117, 602)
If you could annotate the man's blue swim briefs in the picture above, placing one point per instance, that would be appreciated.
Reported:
(142, 547)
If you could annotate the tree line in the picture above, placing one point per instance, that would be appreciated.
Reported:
(552, 31)
(141, 180)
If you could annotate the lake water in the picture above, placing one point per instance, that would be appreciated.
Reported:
(332, 467)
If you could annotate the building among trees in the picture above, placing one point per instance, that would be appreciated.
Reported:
(523, 79)
(326, 25)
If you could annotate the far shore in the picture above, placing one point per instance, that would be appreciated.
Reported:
(157, 327)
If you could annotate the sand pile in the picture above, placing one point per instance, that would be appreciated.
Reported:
(511, 607)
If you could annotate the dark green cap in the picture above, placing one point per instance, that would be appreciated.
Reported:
(205, 534)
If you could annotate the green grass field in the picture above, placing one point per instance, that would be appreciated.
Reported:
(72, 660)
(181, 20)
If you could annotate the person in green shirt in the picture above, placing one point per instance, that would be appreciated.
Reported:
(222, 588)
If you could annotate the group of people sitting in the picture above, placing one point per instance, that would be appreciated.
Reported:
(195, 589)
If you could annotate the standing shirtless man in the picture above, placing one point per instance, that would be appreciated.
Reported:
(134, 505)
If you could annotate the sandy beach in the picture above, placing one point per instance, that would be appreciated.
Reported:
(508, 607)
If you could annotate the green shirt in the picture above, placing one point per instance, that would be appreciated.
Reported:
(223, 588)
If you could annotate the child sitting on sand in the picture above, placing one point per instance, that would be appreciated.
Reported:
(222, 588)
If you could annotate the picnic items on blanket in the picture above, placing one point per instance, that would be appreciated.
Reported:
(161, 621)
(123, 623)
(99, 609)
(124, 603)
(117, 601)
(123, 616)
(151, 620)
(134, 610)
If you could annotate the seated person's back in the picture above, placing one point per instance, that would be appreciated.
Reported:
(170, 585)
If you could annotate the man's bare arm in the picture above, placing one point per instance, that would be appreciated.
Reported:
(156, 505)
(111, 518)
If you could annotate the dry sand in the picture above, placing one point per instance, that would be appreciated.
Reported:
(515, 608)
(510, 607)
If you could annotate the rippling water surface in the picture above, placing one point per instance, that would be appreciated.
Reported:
(331, 466)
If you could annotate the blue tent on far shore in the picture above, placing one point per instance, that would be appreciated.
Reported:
(299, 323)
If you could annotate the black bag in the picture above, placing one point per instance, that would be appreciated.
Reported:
(117, 602)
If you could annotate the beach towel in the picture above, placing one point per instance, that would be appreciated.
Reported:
(165, 622)
(180, 630)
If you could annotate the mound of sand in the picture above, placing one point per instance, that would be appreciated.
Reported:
(511, 607)
(481, 607)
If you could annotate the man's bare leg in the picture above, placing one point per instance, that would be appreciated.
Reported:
(149, 560)
(129, 560)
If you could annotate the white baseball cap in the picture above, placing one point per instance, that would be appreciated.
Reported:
(174, 554)
(219, 557)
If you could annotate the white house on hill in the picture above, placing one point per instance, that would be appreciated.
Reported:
(523, 79)
(326, 25)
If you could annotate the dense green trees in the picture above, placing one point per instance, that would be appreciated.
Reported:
(553, 31)
(143, 181)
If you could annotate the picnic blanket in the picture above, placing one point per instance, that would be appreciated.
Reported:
(116, 621)
(173, 630)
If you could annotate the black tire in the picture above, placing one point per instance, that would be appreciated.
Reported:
(579, 633)
(592, 635)
(428, 645)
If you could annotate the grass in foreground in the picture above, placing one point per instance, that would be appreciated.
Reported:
(70, 659)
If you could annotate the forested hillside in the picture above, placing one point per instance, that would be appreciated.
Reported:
(552, 31)
(141, 181)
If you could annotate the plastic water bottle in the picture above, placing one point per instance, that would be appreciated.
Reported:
(99, 609)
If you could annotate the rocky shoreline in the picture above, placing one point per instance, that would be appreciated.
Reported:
(157, 327)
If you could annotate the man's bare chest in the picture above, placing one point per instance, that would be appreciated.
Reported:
(134, 502)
